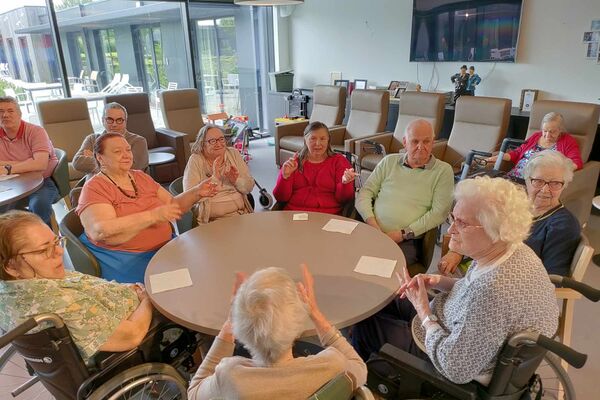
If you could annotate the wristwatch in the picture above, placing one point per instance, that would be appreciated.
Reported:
(8, 169)
(407, 234)
(429, 318)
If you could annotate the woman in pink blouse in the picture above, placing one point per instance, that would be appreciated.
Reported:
(316, 178)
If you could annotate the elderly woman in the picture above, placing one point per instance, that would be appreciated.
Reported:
(211, 158)
(126, 214)
(316, 179)
(551, 137)
(555, 233)
(507, 289)
(100, 315)
(268, 313)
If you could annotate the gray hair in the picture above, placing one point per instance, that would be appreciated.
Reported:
(549, 158)
(10, 99)
(268, 314)
(417, 123)
(554, 117)
(503, 208)
(114, 106)
(198, 145)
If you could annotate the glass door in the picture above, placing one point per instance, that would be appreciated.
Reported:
(149, 54)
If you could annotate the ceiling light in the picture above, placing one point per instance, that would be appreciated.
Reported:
(268, 2)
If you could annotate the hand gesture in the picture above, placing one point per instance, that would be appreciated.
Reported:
(88, 153)
(306, 291)
(206, 188)
(396, 236)
(449, 262)
(166, 213)
(429, 281)
(232, 175)
(417, 295)
(348, 176)
(290, 166)
(217, 166)
(226, 332)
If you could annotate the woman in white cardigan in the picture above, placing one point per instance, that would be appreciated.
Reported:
(211, 158)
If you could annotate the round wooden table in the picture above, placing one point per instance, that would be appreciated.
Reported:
(215, 251)
(19, 186)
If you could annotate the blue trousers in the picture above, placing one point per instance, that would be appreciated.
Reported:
(39, 202)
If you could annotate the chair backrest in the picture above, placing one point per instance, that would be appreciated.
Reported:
(181, 111)
(417, 105)
(176, 187)
(187, 220)
(480, 123)
(339, 388)
(581, 258)
(139, 118)
(83, 260)
(368, 112)
(329, 104)
(60, 175)
(581, 121)
(67, 122)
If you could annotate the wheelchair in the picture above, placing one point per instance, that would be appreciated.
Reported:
(157, 369)
(528, 367)
(476, 165)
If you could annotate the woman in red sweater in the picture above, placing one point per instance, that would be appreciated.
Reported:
(551, 137)
(316, 178)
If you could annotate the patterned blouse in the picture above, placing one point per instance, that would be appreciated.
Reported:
(485, 308)
(91, 307)
(517, 171)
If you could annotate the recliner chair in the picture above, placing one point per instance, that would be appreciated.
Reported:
(329, 108)
(182, 112)
(412, 106)
(139, 121)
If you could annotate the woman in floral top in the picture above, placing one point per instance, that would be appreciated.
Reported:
(100, 315)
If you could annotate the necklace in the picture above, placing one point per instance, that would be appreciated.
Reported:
(135, 190)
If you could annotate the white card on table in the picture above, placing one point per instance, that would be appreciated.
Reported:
(301, 217)
(375, 266)
(177, 279)
(341, 226)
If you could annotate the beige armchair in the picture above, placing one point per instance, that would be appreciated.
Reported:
(139, 121)
(480, 123)
(182, 112)
(412, 106)
(581, 121)
(329, 108)
(67, 122)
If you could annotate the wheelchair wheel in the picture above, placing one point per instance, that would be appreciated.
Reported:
(552, 381)
(150, 380)
(15, 378)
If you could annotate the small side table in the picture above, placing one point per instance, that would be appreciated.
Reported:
(159, 158)
(596, 203)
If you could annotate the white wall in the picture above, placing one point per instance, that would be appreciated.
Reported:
(370, 39)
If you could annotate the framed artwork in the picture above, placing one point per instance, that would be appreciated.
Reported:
(360, 84)
(528, 96)
(399, 92)
(342, 82)
(393, 85)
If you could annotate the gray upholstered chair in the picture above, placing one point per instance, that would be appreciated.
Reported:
(480, 123)
(139, 121)
(368, 117)
(182, 112)
(411, 106)
(581, 121)
(329, 107)
(67, 122)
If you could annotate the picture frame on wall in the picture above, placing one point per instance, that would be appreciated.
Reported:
(402, 86)
(591, 36)
(393, 86)
(592, 50)
(342, 82)
(360, 84)
(528, 97)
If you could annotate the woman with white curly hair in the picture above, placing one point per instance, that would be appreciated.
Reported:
(268, 314)
(505, 291)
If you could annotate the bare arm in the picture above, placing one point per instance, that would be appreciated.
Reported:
(130, 332)
(38, 163)
(185, 200)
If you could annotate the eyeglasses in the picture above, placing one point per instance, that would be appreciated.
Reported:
(540, 183)
(460, 224)
(119, 121)
(212, 142)
(50, 249)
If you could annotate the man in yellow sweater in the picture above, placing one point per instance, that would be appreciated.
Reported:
(409, 193)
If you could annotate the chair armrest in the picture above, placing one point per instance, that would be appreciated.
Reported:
(337, 134)
(566, 294)
(349, 144)
(384, 139)
(439, 148)
(178, 141)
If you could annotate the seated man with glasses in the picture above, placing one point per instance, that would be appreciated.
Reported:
(100, 315)
(115, 121)
(211, 158)
(555, 232)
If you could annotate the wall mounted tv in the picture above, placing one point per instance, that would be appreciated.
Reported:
(477, 30)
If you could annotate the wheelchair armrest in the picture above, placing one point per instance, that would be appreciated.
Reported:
(424, 370)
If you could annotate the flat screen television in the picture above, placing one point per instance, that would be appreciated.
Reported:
(477, 30)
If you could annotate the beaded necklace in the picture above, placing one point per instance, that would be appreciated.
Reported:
(135, 190)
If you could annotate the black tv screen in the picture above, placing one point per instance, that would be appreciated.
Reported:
(452, 30)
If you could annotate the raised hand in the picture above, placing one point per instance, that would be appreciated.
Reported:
(166, 213)
(207, 188)
(217, 166)
(306, 291)
(348, 176)
(232, 175)
(290, 166)
(417, 295)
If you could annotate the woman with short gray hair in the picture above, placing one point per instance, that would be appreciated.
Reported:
(269, 312)
(551, 137)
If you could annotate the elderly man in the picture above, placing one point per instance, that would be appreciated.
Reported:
(26, 147)
(115, 121)
(408, 194)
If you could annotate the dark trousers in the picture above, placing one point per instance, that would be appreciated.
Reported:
(39, 202)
